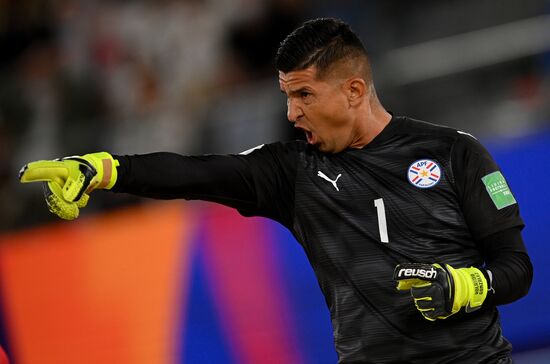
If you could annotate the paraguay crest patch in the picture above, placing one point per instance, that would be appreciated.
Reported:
(424, 173)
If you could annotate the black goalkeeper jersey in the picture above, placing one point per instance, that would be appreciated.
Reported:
(417, 193)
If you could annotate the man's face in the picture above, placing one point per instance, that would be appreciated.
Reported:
(319, 107)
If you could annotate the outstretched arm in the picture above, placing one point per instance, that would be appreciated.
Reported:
(225, 179)
(258, 183)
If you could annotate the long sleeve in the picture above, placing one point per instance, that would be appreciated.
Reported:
(259, 183)
(511, 271)
(216, 178)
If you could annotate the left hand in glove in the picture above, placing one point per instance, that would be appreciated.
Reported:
(440, 291)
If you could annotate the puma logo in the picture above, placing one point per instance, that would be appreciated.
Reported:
(324, 176)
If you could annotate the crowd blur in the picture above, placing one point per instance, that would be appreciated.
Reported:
(197, 76)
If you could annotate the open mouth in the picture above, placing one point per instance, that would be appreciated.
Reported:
(310, 138)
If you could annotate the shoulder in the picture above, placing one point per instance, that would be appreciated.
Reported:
(457, 138)
(285, 154)
(288, 147)
(420, 127)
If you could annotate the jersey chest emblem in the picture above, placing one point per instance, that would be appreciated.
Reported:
(424, 173)
(326, 178)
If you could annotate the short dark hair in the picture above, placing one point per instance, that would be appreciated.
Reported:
(319, 42)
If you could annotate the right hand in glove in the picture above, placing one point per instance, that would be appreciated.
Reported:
(68, 181)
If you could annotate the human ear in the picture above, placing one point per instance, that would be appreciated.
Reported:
(356, 90)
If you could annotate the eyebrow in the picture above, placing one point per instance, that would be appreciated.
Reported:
(297, 91)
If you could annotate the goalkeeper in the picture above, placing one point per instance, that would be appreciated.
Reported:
(411, 228)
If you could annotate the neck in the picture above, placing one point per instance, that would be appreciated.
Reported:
(372, 119)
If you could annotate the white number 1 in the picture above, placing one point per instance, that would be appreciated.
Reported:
(382, 226)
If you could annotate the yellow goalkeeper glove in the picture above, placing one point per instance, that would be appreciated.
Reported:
(69, 180)
(440, 291)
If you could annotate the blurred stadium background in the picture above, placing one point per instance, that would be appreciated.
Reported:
(139, 281)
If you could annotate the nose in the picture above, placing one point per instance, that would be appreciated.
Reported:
(294, 110)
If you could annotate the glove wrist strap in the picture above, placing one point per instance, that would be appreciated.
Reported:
(109, 177)
(477, 288)
(106, 168)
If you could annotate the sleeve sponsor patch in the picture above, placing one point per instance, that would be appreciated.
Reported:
(498, 190)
